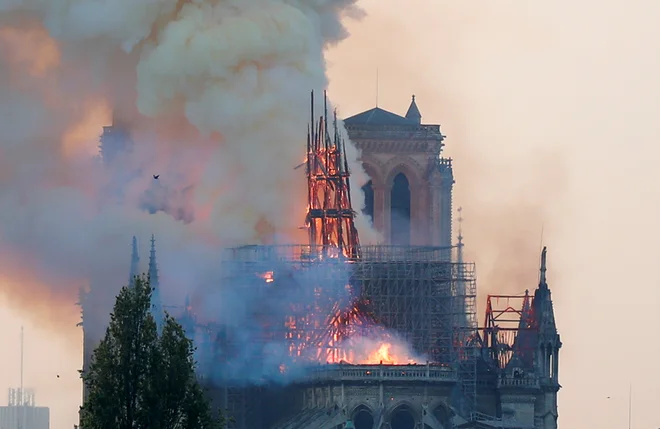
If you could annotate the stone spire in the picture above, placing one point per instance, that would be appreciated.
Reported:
(460, 235)
(462, 286)
(135, 263)
(549, 345)
(413, 112)
(156, 302)
(543, 308)
(542, 280)
(153, 266)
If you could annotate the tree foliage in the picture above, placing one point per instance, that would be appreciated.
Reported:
(138, 379)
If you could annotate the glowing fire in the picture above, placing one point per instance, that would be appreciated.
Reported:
(384, 355)
(351, 334)
(330, 214)
(368, 351)
(354, 337)
(267, 276)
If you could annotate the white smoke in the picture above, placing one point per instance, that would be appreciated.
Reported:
(216, 96)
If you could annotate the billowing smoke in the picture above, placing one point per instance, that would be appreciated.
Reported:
(215, 97)
(272, 326)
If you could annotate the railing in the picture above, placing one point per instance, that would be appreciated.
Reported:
(338, 372)
(517, 382)
(307, 253)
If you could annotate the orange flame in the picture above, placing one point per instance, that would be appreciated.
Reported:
(355, 339)
(382, 352)
(267, 276)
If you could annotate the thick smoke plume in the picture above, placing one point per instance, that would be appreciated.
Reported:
(272, 326)
(215, 96)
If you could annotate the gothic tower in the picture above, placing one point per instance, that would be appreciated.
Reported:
(95, 309)
(547, 356)
(135, 263)
(115, 141)
(409, 196)
(95, 321)
(156, 301)
(528, 384)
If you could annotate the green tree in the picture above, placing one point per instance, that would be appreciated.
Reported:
(138, 379)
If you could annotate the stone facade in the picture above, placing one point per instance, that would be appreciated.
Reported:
(517, 384)
(409, 197)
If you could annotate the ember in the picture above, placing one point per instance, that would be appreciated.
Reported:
(267, 276)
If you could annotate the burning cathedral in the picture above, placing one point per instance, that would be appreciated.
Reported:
(372, 337)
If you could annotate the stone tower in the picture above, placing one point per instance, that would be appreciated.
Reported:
(409, 196)
(115, 142)
(549, 344)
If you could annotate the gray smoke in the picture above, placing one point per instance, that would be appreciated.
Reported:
(215, 95)
(271, 326)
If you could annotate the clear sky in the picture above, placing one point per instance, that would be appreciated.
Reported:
(551, 115)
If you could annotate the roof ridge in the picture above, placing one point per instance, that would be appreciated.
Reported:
(378, 116)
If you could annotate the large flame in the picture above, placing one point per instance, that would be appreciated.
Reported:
(354, 337)
(349, 334)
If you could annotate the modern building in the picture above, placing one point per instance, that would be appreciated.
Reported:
(23, 413)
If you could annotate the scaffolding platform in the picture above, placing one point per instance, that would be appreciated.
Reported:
(420, 293)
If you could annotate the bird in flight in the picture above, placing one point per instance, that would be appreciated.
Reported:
(156, 176)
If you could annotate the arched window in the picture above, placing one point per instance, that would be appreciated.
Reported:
(362, 418)
(402, 418)
(400, 211)
(368, 211)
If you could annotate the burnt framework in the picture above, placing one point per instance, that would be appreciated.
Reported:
(510, 330)
(333, 287)
(418, 292)
(330, 215)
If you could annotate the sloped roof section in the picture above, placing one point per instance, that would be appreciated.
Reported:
(413, 113)
(378, 116)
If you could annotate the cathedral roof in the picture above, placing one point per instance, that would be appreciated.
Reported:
(378, 116)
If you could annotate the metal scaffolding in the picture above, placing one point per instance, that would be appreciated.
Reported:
(510, 330)
(417, 292)
(466, 341)
(309, 299)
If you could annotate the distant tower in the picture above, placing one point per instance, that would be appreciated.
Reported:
(466, 301)
(156, 302)
(460, 236)
(135, 263)
(114, 141)
(409, 196)
(21, 411)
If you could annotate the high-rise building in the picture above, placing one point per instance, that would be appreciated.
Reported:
(22, 412)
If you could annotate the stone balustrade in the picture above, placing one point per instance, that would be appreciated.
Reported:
(412, 373)
(518, 382)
